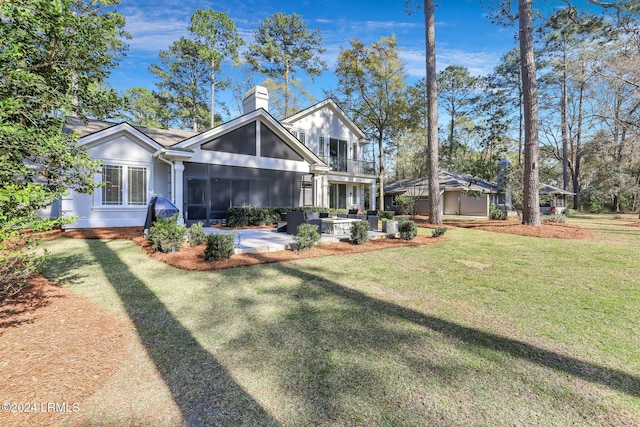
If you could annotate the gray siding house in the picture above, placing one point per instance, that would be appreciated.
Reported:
(313, 158)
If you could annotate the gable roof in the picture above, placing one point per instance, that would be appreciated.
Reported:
(264, 117)
(455, 181)
(330, 104)
(163, 137)
(447, 181)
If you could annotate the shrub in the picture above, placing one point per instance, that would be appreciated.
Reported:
(359, 232)
(406, 203)
(438, 231)
(166, 234)
(219, 247)
(570, 212)
(497, 213)
(196, 234)
(556, 218)
(387, 214)
(407, 229)
(307, 237)
(242, 216)
(16, 269)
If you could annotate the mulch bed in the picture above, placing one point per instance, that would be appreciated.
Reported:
(547, 230)
(55, 347)
(192, 258)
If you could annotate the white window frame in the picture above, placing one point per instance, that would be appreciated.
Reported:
(300, 135)
(125, 167)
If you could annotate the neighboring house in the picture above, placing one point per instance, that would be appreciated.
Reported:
(462, 194)
(459, 194)
(314, 158)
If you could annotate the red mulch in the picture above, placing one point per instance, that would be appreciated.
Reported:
(55, 347)
(192, 258)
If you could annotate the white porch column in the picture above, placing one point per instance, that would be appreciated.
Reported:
(318, 186)
(372, 197)
(178, 188)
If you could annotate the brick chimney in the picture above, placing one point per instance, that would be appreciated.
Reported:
(256, 97)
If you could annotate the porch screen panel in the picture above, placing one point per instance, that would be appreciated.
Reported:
(220, 194)
(240, 192)
(137, 192)
(112, 190)
(259, 193)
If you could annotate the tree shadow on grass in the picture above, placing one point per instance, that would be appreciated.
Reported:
(341, 357)
(614, 379)
(200, 386)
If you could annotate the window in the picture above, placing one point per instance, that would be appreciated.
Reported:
(300, 135)
(112, 190)
(321, 146)
(137, 186)
(354, 195)
(120, 181)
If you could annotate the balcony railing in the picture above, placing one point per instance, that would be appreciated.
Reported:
(349, 166)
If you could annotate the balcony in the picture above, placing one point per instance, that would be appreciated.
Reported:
(349, 166)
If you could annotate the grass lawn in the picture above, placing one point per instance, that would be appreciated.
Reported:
(487, 329)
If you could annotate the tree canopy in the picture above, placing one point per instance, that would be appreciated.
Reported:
(284, 46)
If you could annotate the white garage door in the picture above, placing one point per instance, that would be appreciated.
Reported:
(451, 203)
(474, 207)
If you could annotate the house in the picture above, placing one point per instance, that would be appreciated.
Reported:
(313, 158)
(460, 194)
(463, 194)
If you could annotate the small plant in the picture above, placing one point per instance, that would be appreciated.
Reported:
(219, 247)
(407, 229)
(16, 269)
(438, 231)
(359, 232)
(556, 218)
(387, 214)
(166, 234)
(497, 213)
(196, 234)
(307, 237)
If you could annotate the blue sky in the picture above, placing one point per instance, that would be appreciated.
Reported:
(464, 36)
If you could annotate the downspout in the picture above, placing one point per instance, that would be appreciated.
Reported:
(158, 155)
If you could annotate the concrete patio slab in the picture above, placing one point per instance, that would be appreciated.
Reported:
(269, 240)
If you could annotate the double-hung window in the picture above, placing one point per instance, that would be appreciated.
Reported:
(124, 185)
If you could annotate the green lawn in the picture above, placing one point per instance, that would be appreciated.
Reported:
(486, 329)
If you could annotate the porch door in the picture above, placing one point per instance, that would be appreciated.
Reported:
(338, 153)
(338, 196)
(196, 201)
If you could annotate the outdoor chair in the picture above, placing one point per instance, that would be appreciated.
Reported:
(294, 220)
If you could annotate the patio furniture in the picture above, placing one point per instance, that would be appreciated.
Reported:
(294, 220)
(314, 218)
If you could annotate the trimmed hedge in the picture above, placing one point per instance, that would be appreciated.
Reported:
(307, 237)
(219, 247)
(359, 232)
(407, 229)
(242, 216)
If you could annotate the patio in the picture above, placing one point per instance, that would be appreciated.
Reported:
(269, 240)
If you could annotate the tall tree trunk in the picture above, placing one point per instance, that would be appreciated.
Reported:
(213, 91)
(521, 121)
(286, 91)
(565, 123)
(435, 216)
(381, 161)
(578, 147)
(531, 197)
